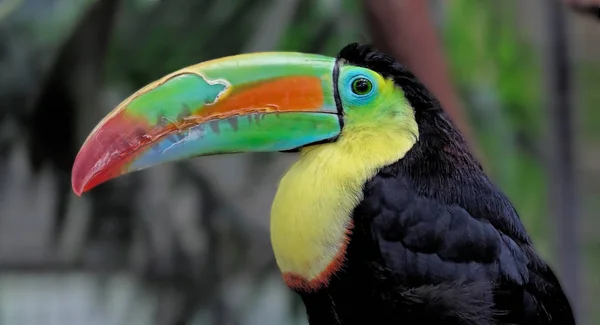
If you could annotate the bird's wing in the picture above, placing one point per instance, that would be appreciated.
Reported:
(424, 242)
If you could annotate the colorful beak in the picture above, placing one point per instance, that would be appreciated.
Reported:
(245, 103)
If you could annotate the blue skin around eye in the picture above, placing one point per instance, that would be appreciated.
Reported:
(349, 96)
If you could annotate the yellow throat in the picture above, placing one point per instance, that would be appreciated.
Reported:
(311, 214)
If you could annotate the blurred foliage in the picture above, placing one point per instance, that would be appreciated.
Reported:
(589, 76)
(499, 73)
(500, 80)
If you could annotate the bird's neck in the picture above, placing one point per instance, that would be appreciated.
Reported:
(311, 215)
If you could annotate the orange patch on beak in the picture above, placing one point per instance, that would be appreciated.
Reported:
(287, 94)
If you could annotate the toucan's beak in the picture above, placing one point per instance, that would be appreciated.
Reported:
(251, 102)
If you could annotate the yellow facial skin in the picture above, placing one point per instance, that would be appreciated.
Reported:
(311, 214)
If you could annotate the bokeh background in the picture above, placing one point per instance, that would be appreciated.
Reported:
(188, 243)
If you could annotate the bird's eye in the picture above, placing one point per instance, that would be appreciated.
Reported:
(362, 86)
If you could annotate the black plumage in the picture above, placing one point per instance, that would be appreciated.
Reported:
(434, 240)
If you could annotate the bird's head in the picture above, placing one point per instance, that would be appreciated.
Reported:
(275, 101)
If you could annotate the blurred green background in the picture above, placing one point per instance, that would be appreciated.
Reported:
(188, 243)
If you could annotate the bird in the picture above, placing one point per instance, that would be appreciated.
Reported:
(385, 218)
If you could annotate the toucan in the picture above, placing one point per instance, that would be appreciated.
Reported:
(385, 218)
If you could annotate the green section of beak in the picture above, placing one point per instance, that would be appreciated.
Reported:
(253, 102)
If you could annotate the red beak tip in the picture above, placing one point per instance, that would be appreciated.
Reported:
(78, 188)
(78, 179)
(83, 180)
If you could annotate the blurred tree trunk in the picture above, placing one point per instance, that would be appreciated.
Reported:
(405, 30)
(561, 160)
(586, 7)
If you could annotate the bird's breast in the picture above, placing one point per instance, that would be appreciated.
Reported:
(311, 217)
(311, 222)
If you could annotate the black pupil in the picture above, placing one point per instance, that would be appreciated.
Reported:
(362, 86)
